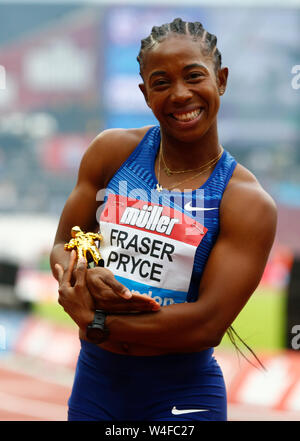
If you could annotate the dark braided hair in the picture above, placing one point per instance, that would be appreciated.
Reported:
(178, 26)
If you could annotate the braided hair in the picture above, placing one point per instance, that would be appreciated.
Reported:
(178, 26)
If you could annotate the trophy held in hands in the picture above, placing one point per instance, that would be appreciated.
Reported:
(85, 246)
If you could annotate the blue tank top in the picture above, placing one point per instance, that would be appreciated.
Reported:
(157, 243)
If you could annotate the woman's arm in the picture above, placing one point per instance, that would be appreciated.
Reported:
(232, 273)
(81, 206)
(101, 160)
(99, 163)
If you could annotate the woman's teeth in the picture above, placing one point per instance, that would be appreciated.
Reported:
(189, 116)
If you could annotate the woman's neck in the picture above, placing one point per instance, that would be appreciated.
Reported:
(181, 155)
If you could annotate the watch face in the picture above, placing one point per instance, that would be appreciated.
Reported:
(95, 334)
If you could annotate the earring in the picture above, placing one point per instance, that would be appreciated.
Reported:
(221, 90)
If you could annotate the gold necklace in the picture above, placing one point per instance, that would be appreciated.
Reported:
(158, 186)
(214, 161)
(170, 172)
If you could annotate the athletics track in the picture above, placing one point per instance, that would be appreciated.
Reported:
(36, 376)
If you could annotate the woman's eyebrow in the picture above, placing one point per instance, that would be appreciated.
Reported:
(157, 73)
(191, 66)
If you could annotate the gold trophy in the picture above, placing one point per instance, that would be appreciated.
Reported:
(84, 244)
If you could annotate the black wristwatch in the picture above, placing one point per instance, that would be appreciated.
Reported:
(96, 331)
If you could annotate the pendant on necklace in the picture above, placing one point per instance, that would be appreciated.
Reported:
(159, 187)
(167, 171)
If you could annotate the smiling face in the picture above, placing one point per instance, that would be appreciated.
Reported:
(182, 87)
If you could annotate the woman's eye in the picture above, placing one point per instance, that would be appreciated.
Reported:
(158, 83)
(195, 75)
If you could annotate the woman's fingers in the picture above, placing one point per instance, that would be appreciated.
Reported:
(97, 278)
(68, 273)
(122, 291)
(144, 302)
(113, 296)
(117, 287)
(81, 272)
(60, 273)
(64, 277)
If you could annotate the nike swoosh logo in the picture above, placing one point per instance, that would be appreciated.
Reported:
(188, 207)
(181, 411)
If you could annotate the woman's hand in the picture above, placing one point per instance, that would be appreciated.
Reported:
(83, 290)
(76, 300)
(111, 296)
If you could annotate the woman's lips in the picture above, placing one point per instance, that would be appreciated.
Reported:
(187, 116)
(186, 119)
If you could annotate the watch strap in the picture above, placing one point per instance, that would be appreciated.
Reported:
(96, 331)
(99, 319)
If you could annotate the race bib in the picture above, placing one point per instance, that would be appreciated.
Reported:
(150, 248)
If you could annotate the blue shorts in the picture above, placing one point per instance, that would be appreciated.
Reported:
(173, 387)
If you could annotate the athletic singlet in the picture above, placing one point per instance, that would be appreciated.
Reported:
(157, 243)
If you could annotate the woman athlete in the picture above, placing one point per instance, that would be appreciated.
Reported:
(186, 235)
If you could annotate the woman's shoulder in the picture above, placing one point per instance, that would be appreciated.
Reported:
(117, 144)
(109, 149)
(244, 182)
(119, 137)
(245, 197)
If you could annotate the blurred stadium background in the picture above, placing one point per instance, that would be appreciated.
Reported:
(70, 71)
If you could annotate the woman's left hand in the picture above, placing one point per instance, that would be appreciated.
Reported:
(76, 300)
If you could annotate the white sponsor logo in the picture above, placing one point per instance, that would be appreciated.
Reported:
(182, 411)
(149, 217)
(188, 207)
(162, 301)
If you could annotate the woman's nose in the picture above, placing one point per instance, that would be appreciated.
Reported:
(180, 93)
